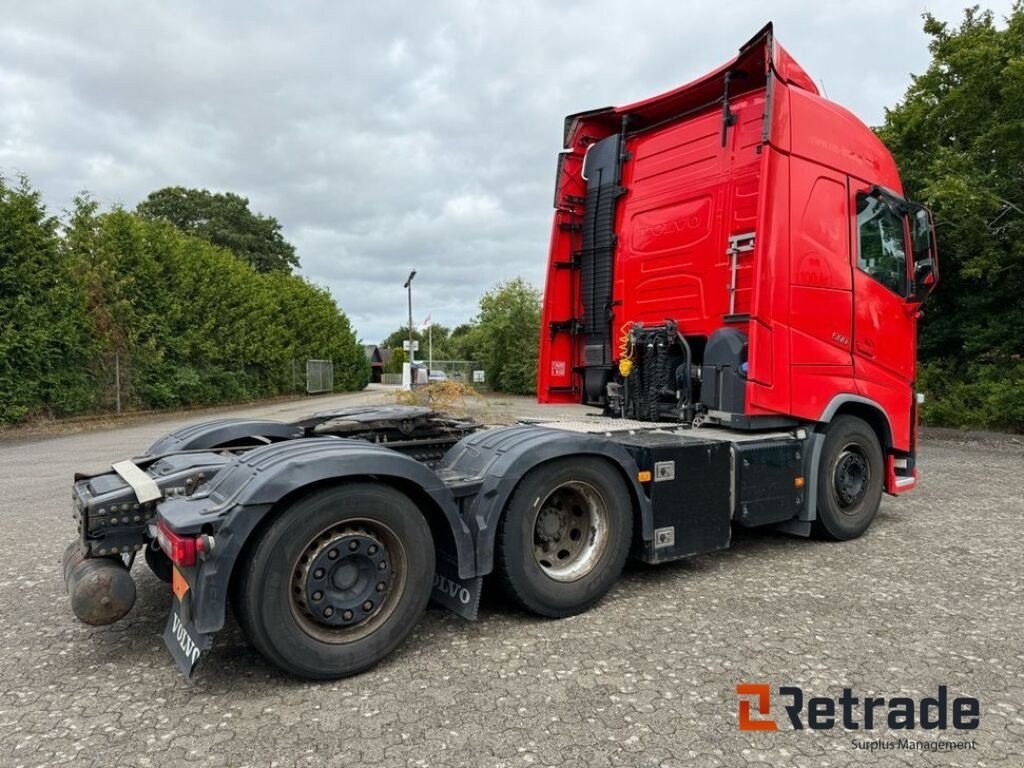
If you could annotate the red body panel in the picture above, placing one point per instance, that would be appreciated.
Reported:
(788, 171)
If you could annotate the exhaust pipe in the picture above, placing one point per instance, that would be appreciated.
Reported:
(101, 588)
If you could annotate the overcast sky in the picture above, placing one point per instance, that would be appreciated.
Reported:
(383, 135)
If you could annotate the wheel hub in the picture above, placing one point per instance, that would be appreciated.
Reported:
(850, 478)
(570, 531)
(344, 578)
(549, 525)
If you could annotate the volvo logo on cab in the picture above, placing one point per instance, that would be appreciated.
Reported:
(852, 712)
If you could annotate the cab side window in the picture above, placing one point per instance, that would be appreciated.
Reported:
(882, 248)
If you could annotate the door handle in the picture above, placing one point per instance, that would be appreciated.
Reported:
(866, 347)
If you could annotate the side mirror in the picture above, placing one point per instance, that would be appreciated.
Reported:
(925, 270)
(924, 274)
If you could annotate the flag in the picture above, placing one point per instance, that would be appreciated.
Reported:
(426, 323)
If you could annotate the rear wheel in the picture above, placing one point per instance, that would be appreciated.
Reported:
(337, 581)
(850, 480)
(565, 536)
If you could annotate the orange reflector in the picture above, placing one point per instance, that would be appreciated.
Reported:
(644, 476)
(799, 482)
(178, 584)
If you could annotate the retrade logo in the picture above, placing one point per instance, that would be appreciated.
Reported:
(852, 712)
(762, 695)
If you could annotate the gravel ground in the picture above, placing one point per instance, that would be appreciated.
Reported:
(931, 595)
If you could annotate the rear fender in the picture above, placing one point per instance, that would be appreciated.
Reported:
(223, 432)
(501, 457)
(243, 494)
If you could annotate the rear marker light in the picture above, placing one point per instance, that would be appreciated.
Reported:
(204, 546)
(180, 549)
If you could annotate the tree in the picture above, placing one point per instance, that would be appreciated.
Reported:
(224, 219)
(507, 332)
(958, 138)
(45, 328)
(465, 342)
(397, 361)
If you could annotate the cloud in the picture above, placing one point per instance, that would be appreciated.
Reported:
(390, 135)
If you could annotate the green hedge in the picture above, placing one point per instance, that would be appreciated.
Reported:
(983, 396)
(46, 333)
(188, 323)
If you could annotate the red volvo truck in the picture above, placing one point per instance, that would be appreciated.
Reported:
(734, 281)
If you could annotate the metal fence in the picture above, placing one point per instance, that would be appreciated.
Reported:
(469, 372)
(319, 376)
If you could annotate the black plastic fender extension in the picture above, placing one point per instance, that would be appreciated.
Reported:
(222, 432)
(499, 458)
(234, 503)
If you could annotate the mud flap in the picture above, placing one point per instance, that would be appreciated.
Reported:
(186, 644)
(460, 596)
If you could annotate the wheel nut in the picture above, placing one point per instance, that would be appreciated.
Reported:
(318, 573)
(383, 565)
(381, 587)
(367, 606)
(328, 611)
(333, 554)
(347, 615)
(318, 595)
(372, 549)
(353, 545)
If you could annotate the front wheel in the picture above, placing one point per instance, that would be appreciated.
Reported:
(337, 581)
(850, 480)
(565, 536)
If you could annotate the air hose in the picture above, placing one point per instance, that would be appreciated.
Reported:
(626, 349)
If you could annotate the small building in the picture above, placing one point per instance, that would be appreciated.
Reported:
(375, 356)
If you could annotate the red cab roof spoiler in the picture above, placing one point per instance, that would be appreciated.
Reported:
(749, 70)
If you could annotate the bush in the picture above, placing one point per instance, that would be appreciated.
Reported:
(976, 396)
(188, 322)
(507, 334)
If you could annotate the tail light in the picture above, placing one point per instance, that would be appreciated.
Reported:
(180, 549)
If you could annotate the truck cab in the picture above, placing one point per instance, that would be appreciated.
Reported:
(737, 251)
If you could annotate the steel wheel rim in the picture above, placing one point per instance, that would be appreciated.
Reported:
(347, 581)
(570, 531)
(851, 475)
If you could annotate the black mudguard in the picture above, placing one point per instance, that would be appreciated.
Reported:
(500, 458)
(240, 496)
(223, 432)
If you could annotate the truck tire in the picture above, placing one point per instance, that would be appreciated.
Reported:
(850, 480)
(337, 581)
(564, 537)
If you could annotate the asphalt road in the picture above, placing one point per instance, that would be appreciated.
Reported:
(931, 595)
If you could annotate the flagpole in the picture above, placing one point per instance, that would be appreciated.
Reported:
(430, 348)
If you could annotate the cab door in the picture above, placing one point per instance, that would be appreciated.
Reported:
(884, 321)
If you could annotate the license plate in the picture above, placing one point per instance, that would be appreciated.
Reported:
(186, 644)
